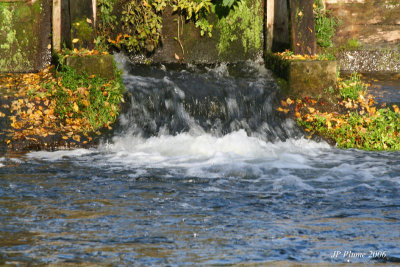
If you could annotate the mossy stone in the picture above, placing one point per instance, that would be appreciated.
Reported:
(23, 13)
(99, 65)
(303, 78)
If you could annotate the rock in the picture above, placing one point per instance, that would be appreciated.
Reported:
(99, 65)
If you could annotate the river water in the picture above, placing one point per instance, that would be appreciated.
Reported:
(200, 170)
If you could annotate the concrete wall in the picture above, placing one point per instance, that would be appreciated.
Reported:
(240, 36)
(25, 35)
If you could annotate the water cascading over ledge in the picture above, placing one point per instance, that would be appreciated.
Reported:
(171, 99)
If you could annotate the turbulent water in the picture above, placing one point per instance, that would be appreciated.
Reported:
(200, 171)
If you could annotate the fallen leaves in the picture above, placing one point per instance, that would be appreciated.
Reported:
(289, 55)
(359, 124)
(33, 111)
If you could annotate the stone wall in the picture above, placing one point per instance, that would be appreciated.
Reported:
(240, 36)
(25, 43)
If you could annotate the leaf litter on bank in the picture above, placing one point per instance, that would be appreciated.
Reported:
(42, 106)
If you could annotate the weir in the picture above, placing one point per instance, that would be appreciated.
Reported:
(217, 99)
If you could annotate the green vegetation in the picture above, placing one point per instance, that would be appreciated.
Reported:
(83, 31)
(352, 87)
(12, 48)
(359, 124)
(88, 97)
(139, 27)
(244, 22)
(325, 25)
(353, 44)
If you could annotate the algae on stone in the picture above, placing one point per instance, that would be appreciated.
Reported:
(23, 28)
(244, 22)
(10, 46)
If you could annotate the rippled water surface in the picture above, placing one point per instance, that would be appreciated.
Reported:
(184, 194)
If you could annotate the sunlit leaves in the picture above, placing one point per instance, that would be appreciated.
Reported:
(50, 103)
(360, 124)
(289, 55)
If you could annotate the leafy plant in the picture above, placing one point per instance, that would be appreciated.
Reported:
(353, 44)
(325, 25)
(360, 124)
(241, 22)
(352, 87)
(141, 22)
(141, 26)
(107, 22)
(89, 98)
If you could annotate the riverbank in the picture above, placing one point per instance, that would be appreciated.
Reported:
(358, 121)
(56, 108)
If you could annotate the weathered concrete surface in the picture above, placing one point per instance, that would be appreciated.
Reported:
(303, 78)
(375, 23)
(99, 65)
(311, 78)
(25, 36)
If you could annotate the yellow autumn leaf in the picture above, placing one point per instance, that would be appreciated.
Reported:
(75, 107)
(88, 20)
(85, 102)
(75, 40)
(77, 138)
(372, 110)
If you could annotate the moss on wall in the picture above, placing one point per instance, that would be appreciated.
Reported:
(83, 31)
(243, 26)
(12, 54)
(19, 30)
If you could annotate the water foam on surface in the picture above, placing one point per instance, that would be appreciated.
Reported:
(203, 155)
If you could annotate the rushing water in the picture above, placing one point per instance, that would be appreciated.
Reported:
(200, 170)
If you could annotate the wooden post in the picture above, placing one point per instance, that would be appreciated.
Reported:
(56, 25)
(94, 6)
(270, 11)
(303, 27)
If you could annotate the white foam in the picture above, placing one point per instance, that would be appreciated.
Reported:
(191, 151)
(202, 155)
(60, 154)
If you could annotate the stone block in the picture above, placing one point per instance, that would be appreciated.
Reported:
(304, 77)
(99, 65)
